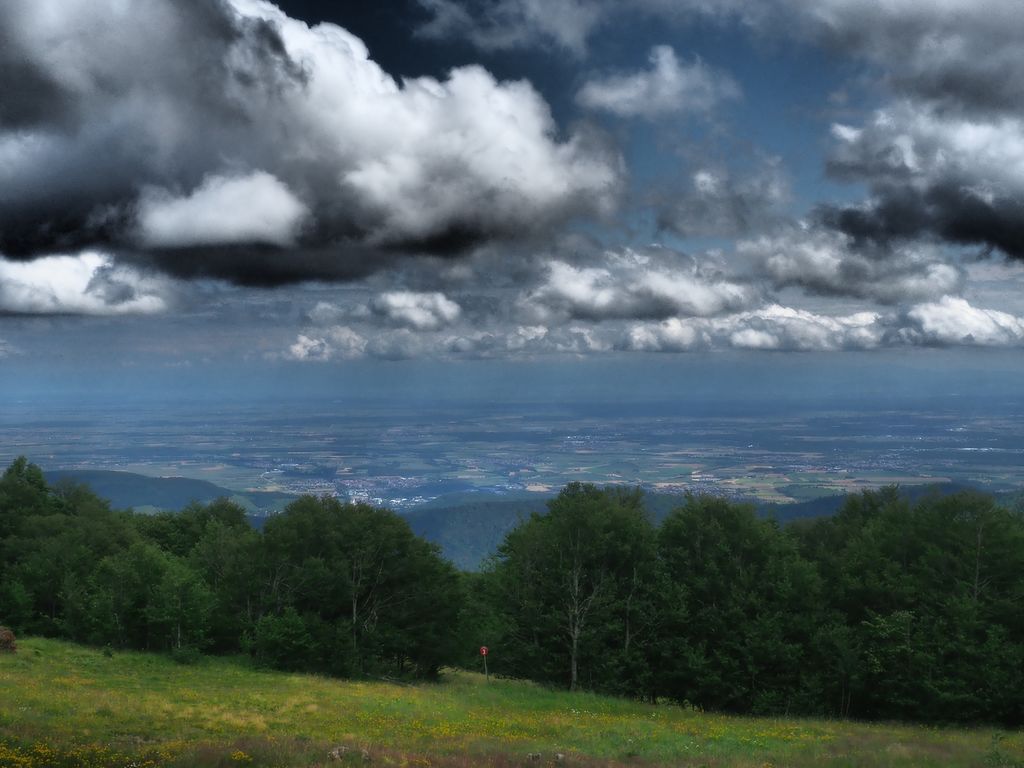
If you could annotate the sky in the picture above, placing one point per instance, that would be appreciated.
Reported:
(574, 196)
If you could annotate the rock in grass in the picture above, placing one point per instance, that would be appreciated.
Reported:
(337, 753)
(8, 644)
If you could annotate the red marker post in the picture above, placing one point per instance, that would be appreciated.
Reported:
(483, 652)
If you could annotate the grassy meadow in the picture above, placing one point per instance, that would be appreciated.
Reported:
(67, 705)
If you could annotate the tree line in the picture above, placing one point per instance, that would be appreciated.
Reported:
(325, 587)
(885, 610)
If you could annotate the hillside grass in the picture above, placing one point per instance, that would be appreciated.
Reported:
(67, 705)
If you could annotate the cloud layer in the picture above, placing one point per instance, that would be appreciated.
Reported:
(183, 156)
(772, 327)
(269, 134)
(657, 300)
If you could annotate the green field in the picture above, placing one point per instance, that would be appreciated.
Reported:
(66, 705)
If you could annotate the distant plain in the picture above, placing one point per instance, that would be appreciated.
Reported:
(405, 455)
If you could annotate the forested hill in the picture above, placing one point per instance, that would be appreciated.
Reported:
(129, 490)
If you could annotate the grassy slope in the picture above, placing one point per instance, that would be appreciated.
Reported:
(62, 698)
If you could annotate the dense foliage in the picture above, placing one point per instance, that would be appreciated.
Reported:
(885, 610)
(329, 587)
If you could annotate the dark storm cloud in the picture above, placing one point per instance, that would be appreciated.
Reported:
(31, 96)
(263, 266)
(944, 162)
(945, 210)
(225, 139)
(956, 54)
(119, 89)
(932, 175)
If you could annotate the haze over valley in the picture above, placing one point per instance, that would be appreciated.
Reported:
(403, 456)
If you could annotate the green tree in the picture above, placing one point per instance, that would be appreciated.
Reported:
(744, 611)
(281, 641)
(926, 597)
(178, 607)
(229, 559)
(574, 584)
(143, 597)
(362, 571)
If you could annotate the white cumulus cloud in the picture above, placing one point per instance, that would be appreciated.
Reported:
(954, 321)
(636, 285)
(418, 311)
(222, 210)
(328, 344)
(669, 86)
(89, 283)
